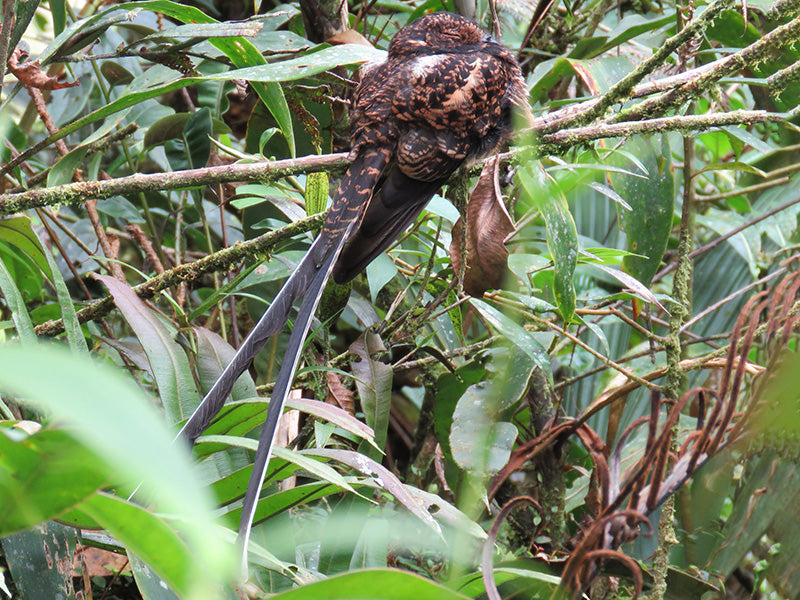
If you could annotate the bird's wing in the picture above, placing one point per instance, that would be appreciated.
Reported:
(461, 95)
(391, 210)
(441, 109)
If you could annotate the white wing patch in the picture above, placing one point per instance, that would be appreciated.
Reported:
(461, 96)
(370, 66)
(422, 65)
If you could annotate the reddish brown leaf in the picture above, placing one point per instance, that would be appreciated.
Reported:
(338, 394)
(98, 563)
(30, 73)
(488, 225)
(348, 36)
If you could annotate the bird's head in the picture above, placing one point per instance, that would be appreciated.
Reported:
(440, 33)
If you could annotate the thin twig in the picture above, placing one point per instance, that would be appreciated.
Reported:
(218, 261)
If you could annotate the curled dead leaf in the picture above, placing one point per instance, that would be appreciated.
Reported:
(338, 394)
(488, 226)
(31, 74)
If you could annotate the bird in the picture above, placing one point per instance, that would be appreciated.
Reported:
(443, 98)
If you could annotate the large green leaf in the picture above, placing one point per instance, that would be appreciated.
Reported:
(193, 149)
(113, 420)
(373, 584)
(168, 361)
(374, 383)
(18, 232)
(213, 354)
(156, 542)
(43, 475)
(143, 88)
(40, 561)
(16, 304)
(543, 192)
(480, 439)
(648, 223)
(72, 326)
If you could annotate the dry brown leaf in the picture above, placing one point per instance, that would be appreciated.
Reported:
(488, 226)
(98, 562)
(349, 36)
(31, 74)
(338, 394)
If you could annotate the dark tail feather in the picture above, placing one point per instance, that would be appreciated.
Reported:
(392, 209)
(270, 323)
(345, 215)
(279, 393)
(309, 279)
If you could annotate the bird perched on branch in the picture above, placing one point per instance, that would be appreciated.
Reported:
(443, 97)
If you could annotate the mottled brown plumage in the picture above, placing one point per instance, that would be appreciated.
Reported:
(442, 98)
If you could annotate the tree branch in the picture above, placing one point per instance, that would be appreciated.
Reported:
(77, 193)
(218, 261)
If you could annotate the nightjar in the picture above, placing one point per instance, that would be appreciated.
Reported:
(442, 98)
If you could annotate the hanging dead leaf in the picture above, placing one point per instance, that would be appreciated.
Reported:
(31, 74)
(338, 394)
(348, 36)
(488, 226)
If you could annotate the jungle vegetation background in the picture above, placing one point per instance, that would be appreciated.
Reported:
(629, 370)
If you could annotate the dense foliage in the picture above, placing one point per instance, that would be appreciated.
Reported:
(571, 375)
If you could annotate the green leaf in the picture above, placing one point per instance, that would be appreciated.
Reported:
(300, 459)
(514, 333)
(16, 304)
(543, 192)
(450, 387)
(40, 561)
(43, 475)
(192, 149)
(148, 583)
(63, 171)
(206, 30)
(274, 504)
(115, 73)
(478, 442)
(304, 66)
(379, 272)
(155, 541)
(240, 416)
(373, 584)
(269, 90)
(18, 232)
(213, 355)
(72, 326)
(165, 129)
(23, 15)
(515, 579)
(110, 417)
(374, 383)
(196, 133)
(383, 478)
(634, 25)
(168, 361)
(83, 33)
(59, 12)
(648, 224)
(242, 53)
(316, 192)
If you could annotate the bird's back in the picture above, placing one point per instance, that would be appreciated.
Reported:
(442, 98)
